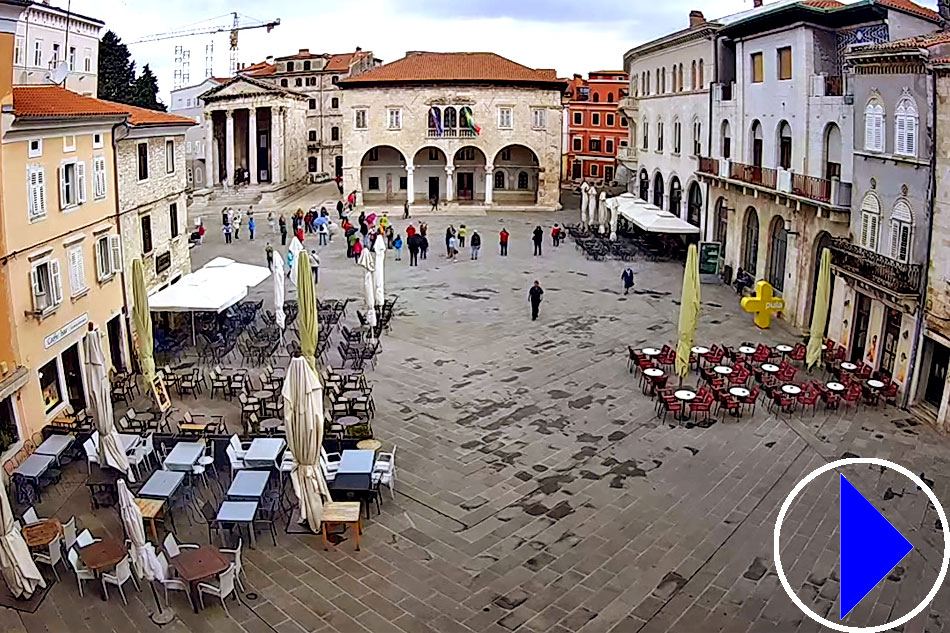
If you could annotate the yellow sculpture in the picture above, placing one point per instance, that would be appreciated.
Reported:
(763, 304)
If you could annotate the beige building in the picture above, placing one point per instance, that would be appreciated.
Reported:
(457, 127)
(59, 247)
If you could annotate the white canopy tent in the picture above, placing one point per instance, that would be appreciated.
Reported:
(649, 217)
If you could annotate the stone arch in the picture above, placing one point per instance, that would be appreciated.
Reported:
(676, 196)
(832, 151)
(725, 139)
(783, 145)
(750, 242)
(429, 173)
(757, 145)
(512, 160)
(382, 170)
(658, 189)
(694, 203)
(469, 164)
(777, 253)
(822, 241)
(721, 224)
(644, 185)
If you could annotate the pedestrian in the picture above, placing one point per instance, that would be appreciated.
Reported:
(308, 221)
(230, 215)
(351, 199)
(290, 262)
(414, 243)
(423, 229)
(423, 246)
(556, 235)
(323, 232)
(201, 231)
(237, 226)
(225, 218)
(743, 280)
(476, 244)
(405, 210)
(453, 247)
(449, 234)
(503, 236)
(462, 232)
(534, 298)
(251, 226)
(269, 254)
(390, 235)
(339, 207)
(434, 201)
(315, 266)
(397, 244)
(300, 234)
(627, 277)
(283, 231)
(339, 184)
(270, 222)
(538, 236)
(351, 239)
(357, 249)
(227, 233)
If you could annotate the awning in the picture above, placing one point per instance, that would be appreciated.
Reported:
(217, 286)
(649, 217)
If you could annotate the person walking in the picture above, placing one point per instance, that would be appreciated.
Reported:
(556, 235)
(290, 262)
(397, 245)
(503, 236)
(476, 244)
(200, 230)
(283, 231)
(357, 248)
(537, 237)
(225, 218)
(423, 229)
(237, 226)
(449, 234)
(339, 208)
(323, 232)
(453, 248)
(226, 229)
(534, 298)
(315, 266)
(405, 210)
(271, 221)
(269, 254)
(414, 243)
(435, 203)
(251, 226)
(390, 235)
(461, 234)
(339, 184)
(627, 278)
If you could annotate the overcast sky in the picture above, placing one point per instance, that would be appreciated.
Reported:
(569, 35)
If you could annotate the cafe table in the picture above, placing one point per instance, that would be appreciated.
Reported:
(770, 368)
(151, 510)
(162, 484)
(33, 467)
(784, 349)
(102, 556)
(248, 485)
(239, 512)
(835, 386)
(747, 350)
(42, 533)
(345, 512)
(264, 452)
(685, 396)
(197, 564)
(723, 370)
(792, 390)
(650, 351)
(55, 445)
(184, 456)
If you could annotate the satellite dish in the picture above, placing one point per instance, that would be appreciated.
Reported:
(58, 75)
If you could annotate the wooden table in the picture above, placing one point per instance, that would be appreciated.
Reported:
(193, 427)
(151, 509)
(341, 512)
(42, 533)
(369, 445)
(196, 564)
(102, 556)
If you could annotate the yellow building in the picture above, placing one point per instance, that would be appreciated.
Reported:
(60, 251)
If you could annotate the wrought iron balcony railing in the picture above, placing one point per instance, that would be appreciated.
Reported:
(898, 277)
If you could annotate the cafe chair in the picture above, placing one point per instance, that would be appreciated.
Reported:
(69, 532)
(121, 575)
(224, 588)
(52, 556)
(267, 517)
(173, 547)
(384, 471)
(79, 569)
(240, 449)
(85, 538)
(169, 582)
(238, 565)
(236, 462)
(92, 454)
(30, 516)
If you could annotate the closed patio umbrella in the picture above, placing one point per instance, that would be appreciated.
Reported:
(16, 565)
(146, 563)
(819, 318)
(368, 263)
(689, 312)
(379, 281)
(303, 420)
(279, 315)
(142, 321)
(307, 315)
(584, 203)
(100, 401)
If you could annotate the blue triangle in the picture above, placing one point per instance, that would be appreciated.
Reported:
(870, 547)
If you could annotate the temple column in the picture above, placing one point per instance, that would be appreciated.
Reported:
(410, 184)
(210, 150)
(252, 144)
(229, 146)
(449, 188)
(277, 145)
(489, 183)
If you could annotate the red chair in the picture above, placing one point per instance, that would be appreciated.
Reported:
(890, 393)
(809, 399)
(673, 406)
(701, 407)
(751, 399)
(731, 404)
(852, 396)
(798, 352)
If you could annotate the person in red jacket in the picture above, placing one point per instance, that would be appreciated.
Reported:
(503, 236)
(556, 235)
(410, 231)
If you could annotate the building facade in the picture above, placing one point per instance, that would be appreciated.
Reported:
(60, 247)
(668, 108)
(596, 130)
(186, 102)
(454, 127)
(48, 37)
(781, 170)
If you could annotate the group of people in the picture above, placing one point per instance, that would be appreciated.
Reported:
(231, 220)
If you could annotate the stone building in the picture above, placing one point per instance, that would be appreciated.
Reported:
(596, 131)
(781, 170)
(153, 212)
(456, 127)
(187, 102)
(257, 131)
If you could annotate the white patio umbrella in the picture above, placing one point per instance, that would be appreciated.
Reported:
(379, 280)
(592, 206)
(584, 202)
(100, 400)
(602, 217)
(146, 563)
(303, 420)
(296, 248)
(368, 263)
(16, 565)
(279, 315)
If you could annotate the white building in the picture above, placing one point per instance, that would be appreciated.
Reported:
(44, 42)
(455, 127)
(187, 102)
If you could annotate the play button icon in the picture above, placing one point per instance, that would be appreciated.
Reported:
(870, 546)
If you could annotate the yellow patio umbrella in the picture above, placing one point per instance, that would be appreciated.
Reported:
(819, 317)
(142, 321)
(689, 312)
(307, 302)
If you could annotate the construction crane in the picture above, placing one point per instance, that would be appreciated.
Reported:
(232, 28)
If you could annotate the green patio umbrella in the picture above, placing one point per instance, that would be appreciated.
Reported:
(819, 317)
(307, 301)
(689, 312)
(142, 321)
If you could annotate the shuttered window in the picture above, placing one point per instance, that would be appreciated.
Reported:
(99, 177)
(905, 127)
(758, 73)
(36, 193)
(874, 126)
(902, 222)
(785, 63)
(870, 222)
(77, 271)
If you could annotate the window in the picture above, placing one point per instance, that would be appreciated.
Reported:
(751, 247)
(609, 146)
(290, 67)
(373, 155)
(692, 76)
(47, 286)
(504, 118)
(146, 223)
(169, 157)
(36, 188)
(537, 118)
(778, 253)
(466, 153)
(99, 177)
(905, 127)
(874, 126)
(594, 145)
(311, 104)
(38, 53)
(87, 60)
(143, 161)
(784, 63)
(97, 140)
(608, 173)
(306, 65)
(870, 221)
(506, 154)
(312, 136)
(624, 122)
(610, 97)
(359, 119)
(578, 144)
(373, 183)
(72, 184)
(403, 183)
(36, 148)
(335, 103)
(173, 219)
(335, 80)
(596, 97)
(72, 58)
(595, 119)
(18, 52)
(646, 135)
(785, 146)
(659, 136)
(334, 133)
(697, 138)
(69, 143)
(54, 61)
(9, 431)
(702, 80)
(611, 120)
(49, 385)
(394, 119)
(578, 118)
(594, 169)
(77, 272)
(191, 175)
(108, 256)
(677, 137)
(679, 85)
(499, 180)
(522, 180)
(758, 73)
(901, 224)
(298, 82)
(283, 83)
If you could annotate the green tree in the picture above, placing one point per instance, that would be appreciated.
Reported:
(116, 69)
(145, 91)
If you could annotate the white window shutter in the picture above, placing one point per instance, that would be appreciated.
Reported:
(868, 130)
(115, 244)
(55, 282)
(875, 222)
(62, 187)
(879, 132)
(865, 225)
(37, 287)
(903, 249)
(41, 189)
(32, 197)
(910, 135)
(900, 142)
(81, 182)
(895, 240)
(101, 272)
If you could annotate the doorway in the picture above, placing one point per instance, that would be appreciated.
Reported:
(892, 333)
(263, 159)
(940, 359)
(576, 170)
(338, 166)
(433, 188)
(862, 318)
(114, 331)
(466, 183)
(72, 368)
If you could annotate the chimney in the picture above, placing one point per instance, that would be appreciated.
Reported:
(696, 18)
(756, 3)
(359, 49)
(303, 51)
(269, 60)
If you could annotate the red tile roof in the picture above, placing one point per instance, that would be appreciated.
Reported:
(341, 62)
(143, 117)
(260, 69)
(454, 67)
(823, 4)
(54, 102)
(911, 7)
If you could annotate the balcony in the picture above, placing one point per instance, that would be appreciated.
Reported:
(753, 175)
(627, 154)
(834, 86)
(708, 165)
(450, 133)
(881, 271)
(629, 105)
(723, 92)
(832, 193)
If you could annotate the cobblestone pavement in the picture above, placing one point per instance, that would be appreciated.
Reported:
(536, 489)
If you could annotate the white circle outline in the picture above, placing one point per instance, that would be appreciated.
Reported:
(861, 629)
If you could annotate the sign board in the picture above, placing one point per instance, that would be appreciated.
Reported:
(161, 393)
(763, 304)
(710, 254)
(65, 331)
(163, 262)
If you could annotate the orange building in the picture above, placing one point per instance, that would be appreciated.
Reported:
(595, 128)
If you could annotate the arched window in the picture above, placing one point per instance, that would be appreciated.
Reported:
(673, 83)
(702, 81)
(499, 179)
(335, 103)
(659, 136)
(778, 247)
(644, 185)
(902, 222)
(874, 126)
(663, 81)
(658, 190)
(312, 136)
(677, 136)
(522, 180)
(610, 97)
(750, 250)
(756, 143)
(646, 134)
(449, 118)
(596, 97)
(694, 205)
(905, 127)
(784, 145)
(870, 221)
(680, 85)
(697, 137)
(676, 196)
(692, 76)
(722, 223)
(726, 134)
(435, 121)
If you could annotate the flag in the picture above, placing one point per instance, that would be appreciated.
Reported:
(435, 120)
(469, 121)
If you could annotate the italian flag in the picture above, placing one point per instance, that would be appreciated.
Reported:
(469, 122)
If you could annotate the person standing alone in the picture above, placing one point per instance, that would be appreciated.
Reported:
(476, 244)
(503, 236)
(534, 298)
(537, 237)
(627, 277)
